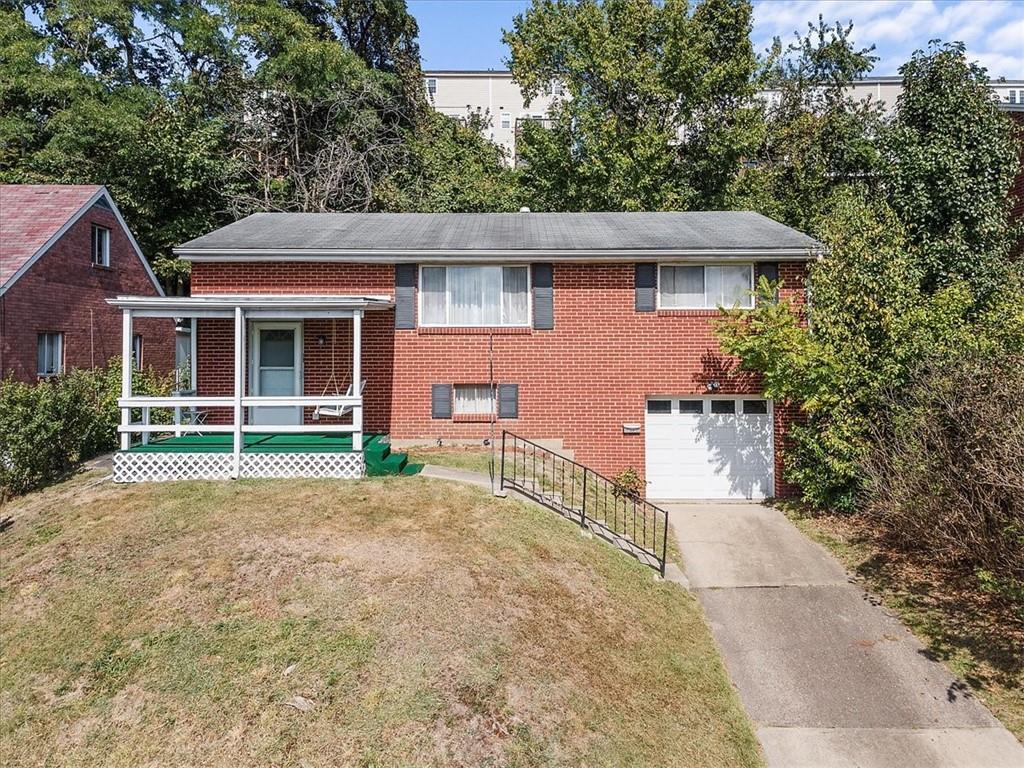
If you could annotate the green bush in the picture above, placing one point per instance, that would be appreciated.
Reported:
(49, 427)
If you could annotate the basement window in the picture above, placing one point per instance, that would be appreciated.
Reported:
(474, 400)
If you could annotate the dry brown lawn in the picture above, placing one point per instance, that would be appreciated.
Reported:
(386, 622)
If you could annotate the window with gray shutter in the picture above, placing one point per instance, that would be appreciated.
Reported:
(543, 297)
(508, 401)
(405, 296)
(440, 401)
(770, 271)
(646, 285)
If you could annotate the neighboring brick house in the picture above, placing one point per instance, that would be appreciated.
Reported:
(64, 250)
(597, 330)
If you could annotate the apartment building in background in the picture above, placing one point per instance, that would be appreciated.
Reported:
(459, 93)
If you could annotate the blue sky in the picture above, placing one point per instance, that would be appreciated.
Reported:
(466, 34)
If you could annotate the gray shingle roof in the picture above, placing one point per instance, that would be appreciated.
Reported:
(437, 234)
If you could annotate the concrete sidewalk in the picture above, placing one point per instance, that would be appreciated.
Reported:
(829, 679)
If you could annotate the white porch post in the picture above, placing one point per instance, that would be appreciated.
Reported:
(126, 374)
(239, 387)
(357, 378)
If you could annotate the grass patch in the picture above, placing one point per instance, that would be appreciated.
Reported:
(384, 622)
(473, 458)
(978, 635)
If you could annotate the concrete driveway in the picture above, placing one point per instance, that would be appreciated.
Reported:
(827, 676)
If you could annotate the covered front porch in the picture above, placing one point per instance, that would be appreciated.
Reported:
(269, 425)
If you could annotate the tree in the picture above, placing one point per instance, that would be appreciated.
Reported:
(865, 288)
(951, 156)
(815, 137)
(449, 168)
(659, 103)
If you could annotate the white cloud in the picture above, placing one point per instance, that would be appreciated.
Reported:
(992, 31)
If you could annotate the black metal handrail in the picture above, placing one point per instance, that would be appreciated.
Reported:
(586, 497)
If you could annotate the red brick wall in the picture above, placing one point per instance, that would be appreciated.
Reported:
(579, 382)
(64, 292)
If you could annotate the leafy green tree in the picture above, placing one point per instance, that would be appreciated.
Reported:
(815, 136)
(659, 107)
(450, 169)
(951, 157)
(834, 368)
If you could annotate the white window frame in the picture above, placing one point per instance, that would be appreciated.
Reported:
(447, 309)
(105, 255)
(506, 120)
(492, 411)
(137, 351)
(431, 85)
(59, 356)
(704, 288)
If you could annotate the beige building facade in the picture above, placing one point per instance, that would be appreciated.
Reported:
(494, 93)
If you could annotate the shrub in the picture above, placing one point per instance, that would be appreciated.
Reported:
(49, 427)
(946, 474)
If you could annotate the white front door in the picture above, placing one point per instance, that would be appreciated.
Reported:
(709, 447)
(276, 370)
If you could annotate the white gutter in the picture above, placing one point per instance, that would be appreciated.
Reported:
(388, 256)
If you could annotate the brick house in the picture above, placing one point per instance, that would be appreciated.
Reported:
(594, 330)
(64, 250)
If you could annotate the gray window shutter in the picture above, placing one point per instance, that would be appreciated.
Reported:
(440, 401)
(508, 401)
(543, 297)
(405, 296)
(646, 285)
(769, 270)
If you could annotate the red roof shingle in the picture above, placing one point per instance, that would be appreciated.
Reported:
(30, 214)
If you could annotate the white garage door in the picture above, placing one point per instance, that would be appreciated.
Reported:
(709, 448)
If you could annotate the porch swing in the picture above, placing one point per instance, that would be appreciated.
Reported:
(332, 381)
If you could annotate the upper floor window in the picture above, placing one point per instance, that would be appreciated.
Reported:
(431, 86)
(506, 120)
(1013, 97)
(555, 88)
(705, 286)
(100, 246)
(49, 354)
(475, 296)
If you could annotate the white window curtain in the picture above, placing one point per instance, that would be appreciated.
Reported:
(432, 296)
(705, 286)
(474, 296)
(682, 286)
(474, 399)
(729, 286)
(49, 353)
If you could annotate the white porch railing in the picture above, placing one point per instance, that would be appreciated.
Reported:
(241, 309)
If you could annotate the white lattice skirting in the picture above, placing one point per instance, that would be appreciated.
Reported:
(154, 467)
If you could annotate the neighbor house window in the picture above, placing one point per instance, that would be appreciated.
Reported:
(506, 120)
(473, 399)
(1013, 97)
(475, 296)
(100, 246)
(137, 351)
(705, 286)
(431, 86)
(49, 353)
(556, 88)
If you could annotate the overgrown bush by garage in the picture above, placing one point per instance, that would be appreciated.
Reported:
(49, 427)
(946, 475)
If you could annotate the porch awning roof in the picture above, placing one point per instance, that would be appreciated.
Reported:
(254, 305)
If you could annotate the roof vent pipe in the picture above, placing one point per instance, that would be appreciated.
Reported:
(524, 209)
